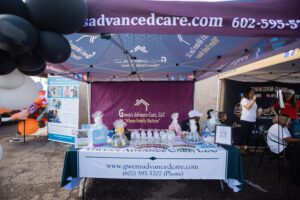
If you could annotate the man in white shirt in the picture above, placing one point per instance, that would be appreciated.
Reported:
(279, 140)
(276, 138)
(279, 135)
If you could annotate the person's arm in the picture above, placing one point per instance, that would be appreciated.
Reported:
(267, 110)
(250, 104)
(290, 139)
(287, 136)
(276, 106)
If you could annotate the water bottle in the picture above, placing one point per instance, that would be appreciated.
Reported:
(143, 137)
(149, 136)
(137, 138)
(156, 137)
(164, 138)
(133, 137)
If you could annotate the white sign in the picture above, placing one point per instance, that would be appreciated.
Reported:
(223, 135)
(130, 163)
(63, 108)
(280, 97)
(81, 138)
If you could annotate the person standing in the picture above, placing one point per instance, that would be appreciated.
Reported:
(291, 108)
(248, 116)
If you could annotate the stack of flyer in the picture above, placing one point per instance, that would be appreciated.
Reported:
(82, 139)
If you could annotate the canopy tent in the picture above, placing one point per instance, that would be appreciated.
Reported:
(158, 48)
(283, 67)
(135, 57)
(265, 76)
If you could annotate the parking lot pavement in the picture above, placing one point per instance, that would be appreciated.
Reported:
(31, 170)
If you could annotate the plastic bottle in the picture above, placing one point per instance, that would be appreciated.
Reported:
(150, 136)
(98, 132)
(156, 137)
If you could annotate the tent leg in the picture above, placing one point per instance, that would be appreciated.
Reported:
(89, 102)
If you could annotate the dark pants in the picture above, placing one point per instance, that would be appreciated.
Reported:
(292, 152)
(246, 131)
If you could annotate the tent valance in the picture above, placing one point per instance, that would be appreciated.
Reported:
(171, 40)
(208, 17)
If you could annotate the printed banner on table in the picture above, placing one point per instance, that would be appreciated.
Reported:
(63, 109)
(143, 104)
(223, 17)
(130, 163)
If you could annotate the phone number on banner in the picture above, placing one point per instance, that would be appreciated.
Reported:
(265, 23)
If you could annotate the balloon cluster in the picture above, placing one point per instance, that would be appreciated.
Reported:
(31, 33)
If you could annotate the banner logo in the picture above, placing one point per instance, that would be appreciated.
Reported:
(180, 38)
(91, 37)
(163, 59)
(237, 109)
(142, 101)
(139, 48)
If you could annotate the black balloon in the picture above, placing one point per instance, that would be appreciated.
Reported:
(35, 72)
(61, 16)
(53, 47)
(7, 65)
(17, 35)
(14, 7)
(30, 64)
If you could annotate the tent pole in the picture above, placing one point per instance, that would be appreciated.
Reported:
(88, 81)
(89, 102)
(218, 95)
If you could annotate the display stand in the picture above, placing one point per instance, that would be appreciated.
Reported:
(280, 128)
(284, 160)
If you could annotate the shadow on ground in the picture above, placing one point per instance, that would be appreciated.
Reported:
(32, 171)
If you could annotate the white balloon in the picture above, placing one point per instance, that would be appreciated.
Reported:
(19, 98)
(12, 80)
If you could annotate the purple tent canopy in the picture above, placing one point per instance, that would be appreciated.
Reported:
(109, 53)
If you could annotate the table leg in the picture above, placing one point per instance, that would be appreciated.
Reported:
(222, 186)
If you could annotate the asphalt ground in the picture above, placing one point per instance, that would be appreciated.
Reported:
(32, 171)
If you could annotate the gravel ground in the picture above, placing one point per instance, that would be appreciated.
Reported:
(32, 171)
